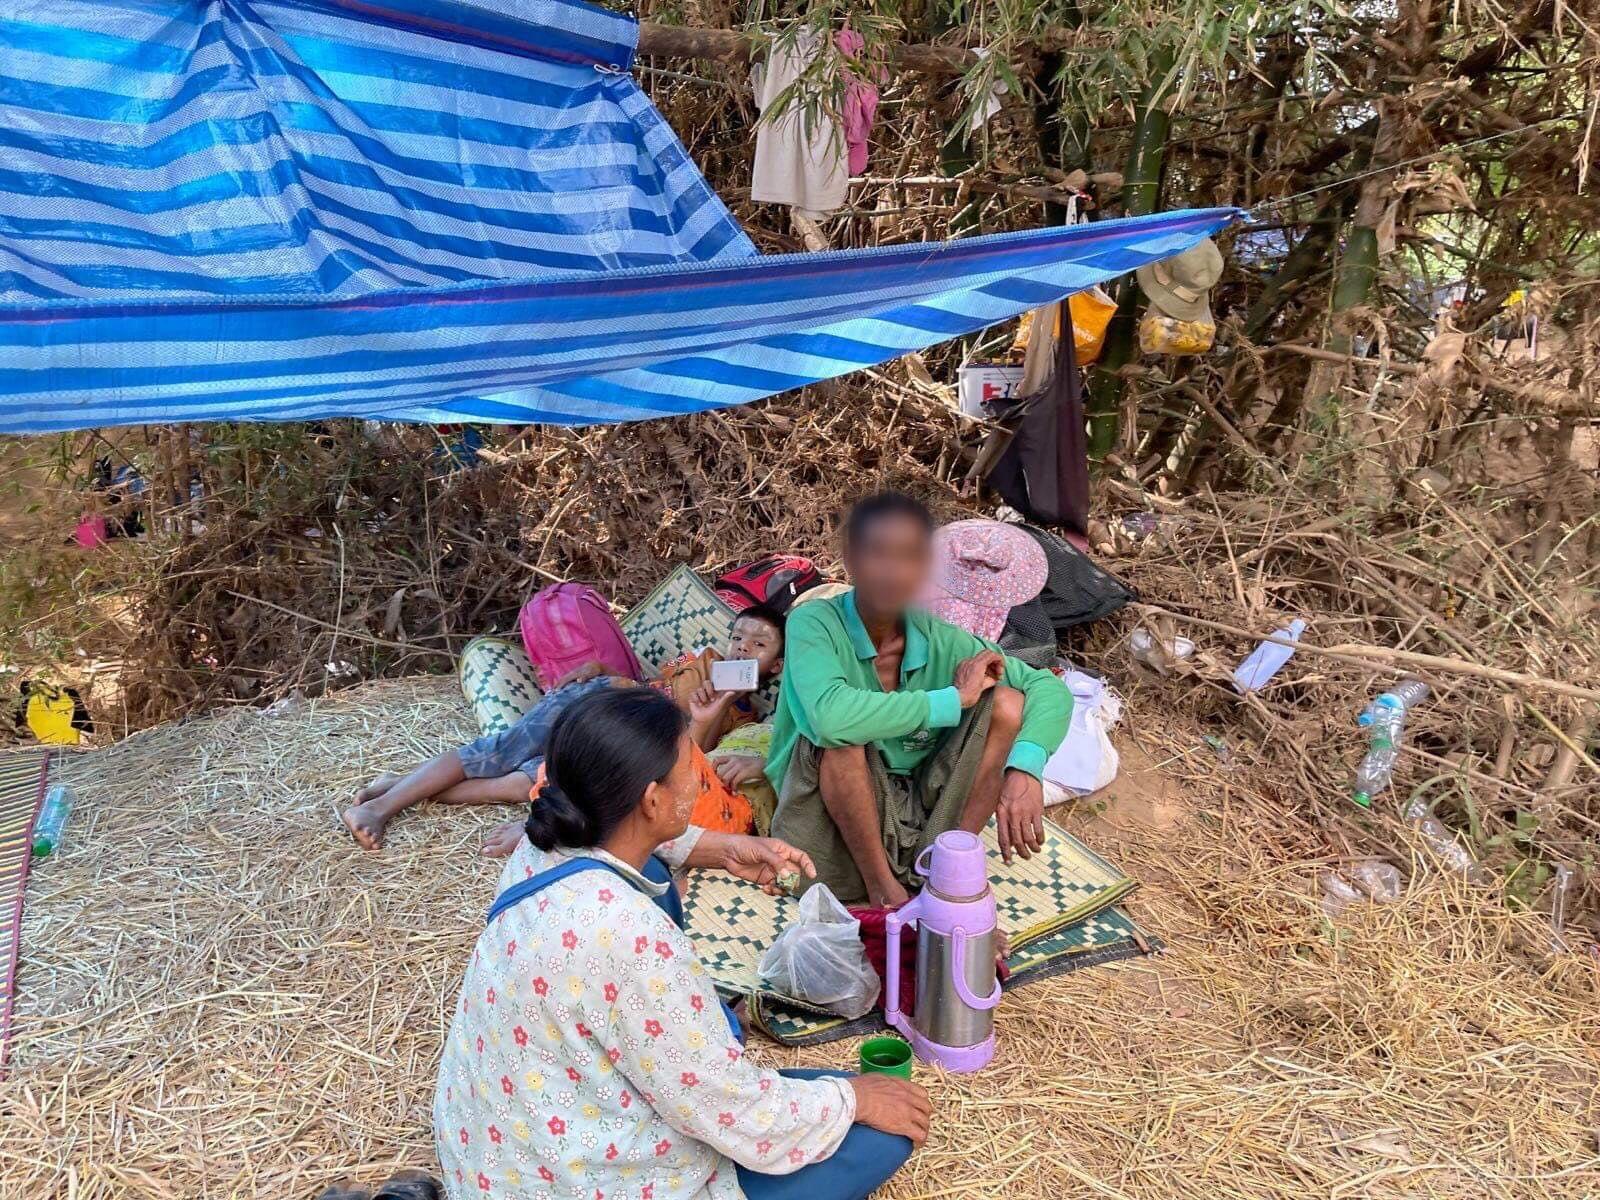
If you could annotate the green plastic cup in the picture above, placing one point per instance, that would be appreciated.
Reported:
(886, 1056)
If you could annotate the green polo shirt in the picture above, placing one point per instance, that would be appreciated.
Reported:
(831, 696)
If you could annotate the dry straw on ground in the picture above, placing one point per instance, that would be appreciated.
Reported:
(221, 997)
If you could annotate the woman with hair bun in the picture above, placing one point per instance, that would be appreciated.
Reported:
(589, 1055)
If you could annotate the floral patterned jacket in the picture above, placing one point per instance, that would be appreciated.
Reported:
(590, 1059)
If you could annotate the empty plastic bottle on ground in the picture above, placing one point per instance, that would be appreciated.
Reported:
(1267, 659)
(1451, 852)
(1386, 718)
(52, 820)
(1402, 697)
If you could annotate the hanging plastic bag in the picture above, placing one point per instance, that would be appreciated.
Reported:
(1091, 310)
(1161, 334)
(820, 960)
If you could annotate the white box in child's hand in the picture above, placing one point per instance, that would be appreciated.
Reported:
(734, 675)
(986, 381)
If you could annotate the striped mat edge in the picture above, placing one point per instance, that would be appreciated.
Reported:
(23, 774)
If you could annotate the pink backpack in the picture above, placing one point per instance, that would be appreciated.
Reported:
(568, 624)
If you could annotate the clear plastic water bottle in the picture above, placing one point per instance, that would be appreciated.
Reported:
(1386, 718)
(1374, 774)
(52, 820)
(1403, 697)
(1451, 852)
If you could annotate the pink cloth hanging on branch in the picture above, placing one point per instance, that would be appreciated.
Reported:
(860, 101)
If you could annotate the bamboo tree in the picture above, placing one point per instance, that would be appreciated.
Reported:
(1357, 270)
(1141, 191)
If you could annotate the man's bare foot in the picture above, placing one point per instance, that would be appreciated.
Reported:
(500, 841)
(380, 784)
(366, 823)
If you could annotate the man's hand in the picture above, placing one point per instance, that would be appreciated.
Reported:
(763, 860)
(1020, 816)
(500, 841)
(976, 675)
(739, 768)
(893, 1106)
(889, 894)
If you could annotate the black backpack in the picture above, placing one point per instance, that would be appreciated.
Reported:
(1076, 592)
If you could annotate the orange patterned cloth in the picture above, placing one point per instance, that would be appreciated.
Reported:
(718, 808)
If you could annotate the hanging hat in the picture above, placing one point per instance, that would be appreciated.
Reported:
(981, 571)
(1179, 286)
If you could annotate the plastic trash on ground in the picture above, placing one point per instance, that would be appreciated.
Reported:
(1159, 656)
(52, 820)
(1139, 525)
(1558, 907)
(1364, 883)
(1385, 721)
(1267, 659)
(820, 960)
(1222, 750)
(1087, 760)
(1403, 697)
(1338, 893)
(1443, 843)
(1377, 881)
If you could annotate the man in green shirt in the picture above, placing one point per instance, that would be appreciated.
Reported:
(893, 726)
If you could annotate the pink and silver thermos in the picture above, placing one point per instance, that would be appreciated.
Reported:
(956, 985)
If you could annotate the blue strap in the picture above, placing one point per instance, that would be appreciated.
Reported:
(518, 892)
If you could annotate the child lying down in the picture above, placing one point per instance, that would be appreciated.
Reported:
(500, 768)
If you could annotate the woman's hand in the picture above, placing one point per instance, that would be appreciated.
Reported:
(763, 860)
(738, 768)
(893, 1106)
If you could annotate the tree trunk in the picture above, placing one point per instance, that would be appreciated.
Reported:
(1309, 253)
(1356, 272)
(1141, 191)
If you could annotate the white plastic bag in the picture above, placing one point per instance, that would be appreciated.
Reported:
(820, 960)
(1086, 761)
(1159, 656)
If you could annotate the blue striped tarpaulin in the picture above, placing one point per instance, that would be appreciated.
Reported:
(422, 210)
